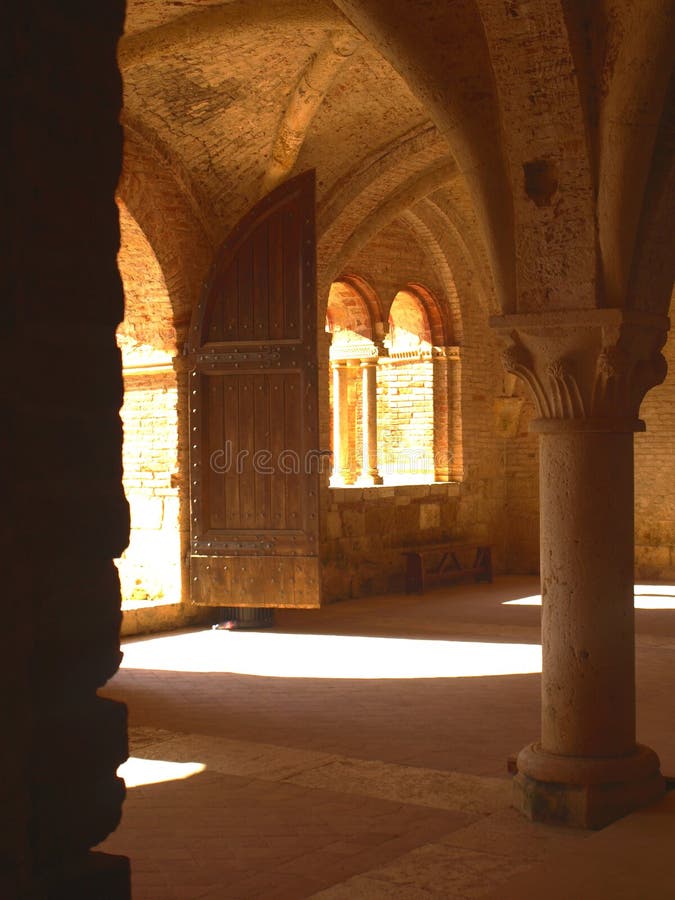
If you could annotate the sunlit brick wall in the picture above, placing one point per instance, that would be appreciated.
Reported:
(150, 567)
(405, 415)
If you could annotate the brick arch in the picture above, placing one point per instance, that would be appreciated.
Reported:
(370, 298)
(148, 326)
(408, 322)
(348, 311)
(160, 206)
(439, 329)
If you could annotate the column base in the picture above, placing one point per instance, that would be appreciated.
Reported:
(341, 481)
(585, 792)
(369, 480)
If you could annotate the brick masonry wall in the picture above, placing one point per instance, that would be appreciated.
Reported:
(150, 566)
(154, 578)
(655, 478)
(405, 416)
(481, 511)
(520, 460)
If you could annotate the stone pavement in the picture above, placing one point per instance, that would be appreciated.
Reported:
(348, 767)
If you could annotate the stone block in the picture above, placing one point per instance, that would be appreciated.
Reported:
(379, 521)
(353, 523)
(430, 515)
(333, 525)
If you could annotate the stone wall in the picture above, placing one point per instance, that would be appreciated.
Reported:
(367, 527)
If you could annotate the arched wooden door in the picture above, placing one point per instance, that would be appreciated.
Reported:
(254, 429)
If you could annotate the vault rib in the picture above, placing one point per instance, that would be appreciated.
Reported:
(304, 102)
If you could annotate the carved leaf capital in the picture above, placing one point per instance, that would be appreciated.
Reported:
(585, 364)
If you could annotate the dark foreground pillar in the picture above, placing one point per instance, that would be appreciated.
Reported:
(63, 515)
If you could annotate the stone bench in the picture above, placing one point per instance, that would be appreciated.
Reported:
(439, 563)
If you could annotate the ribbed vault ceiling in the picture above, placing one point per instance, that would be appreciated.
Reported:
(532, 141)
(209, 88)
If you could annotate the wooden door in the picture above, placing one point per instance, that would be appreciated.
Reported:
(254, 430)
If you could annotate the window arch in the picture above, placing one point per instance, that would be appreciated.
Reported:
(409, 329)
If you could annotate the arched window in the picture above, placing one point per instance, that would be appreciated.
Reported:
(353, 387)
(406, 396)
(394, 401)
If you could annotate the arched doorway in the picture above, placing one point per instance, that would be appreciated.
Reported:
(150, 567)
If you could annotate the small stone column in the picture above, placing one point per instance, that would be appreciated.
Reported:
(342, 470)
(369, 473)
(448, 465)
(588, 373)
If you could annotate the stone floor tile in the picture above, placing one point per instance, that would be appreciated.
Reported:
(410, 784)
(508, 833)
(450, 872)
(241, 758)
(364, 887)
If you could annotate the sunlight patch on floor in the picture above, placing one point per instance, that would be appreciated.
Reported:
(329, 656)
(654, 596)
(137, 772)
(647, 596)
(534, 600)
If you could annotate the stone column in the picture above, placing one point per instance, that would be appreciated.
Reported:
(342, 469)
(369, 473)
(588, 372)
(448, 465)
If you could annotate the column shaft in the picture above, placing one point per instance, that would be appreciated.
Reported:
(442, 449)
(448, 458)
(342, 470)
(588, 695)
(456, 453)
(369, 471)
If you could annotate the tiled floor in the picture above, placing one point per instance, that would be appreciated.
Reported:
(388, 783)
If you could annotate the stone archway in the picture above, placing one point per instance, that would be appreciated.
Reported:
(150, 567)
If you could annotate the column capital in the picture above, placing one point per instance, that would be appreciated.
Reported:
(446, 352)
(588, 370)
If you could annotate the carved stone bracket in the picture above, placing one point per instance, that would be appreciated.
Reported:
(589, 369)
